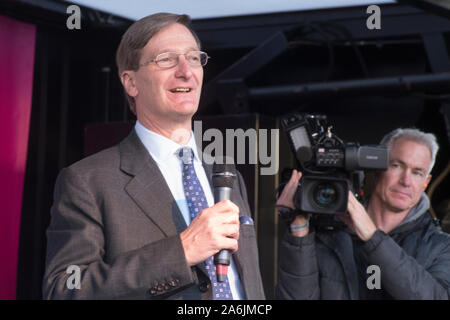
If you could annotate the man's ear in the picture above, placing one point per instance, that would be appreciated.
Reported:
(427, 181)
(127, 79)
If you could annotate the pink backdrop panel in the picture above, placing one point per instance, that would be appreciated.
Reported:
(17, 44)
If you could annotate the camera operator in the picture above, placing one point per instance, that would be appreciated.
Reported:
(395, 234)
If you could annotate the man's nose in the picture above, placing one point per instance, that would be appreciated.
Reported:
(405, 178)
(184, 69)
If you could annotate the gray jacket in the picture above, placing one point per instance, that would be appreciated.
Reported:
(115, 218)
(413, 261)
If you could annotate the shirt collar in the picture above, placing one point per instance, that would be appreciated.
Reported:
(161, 148)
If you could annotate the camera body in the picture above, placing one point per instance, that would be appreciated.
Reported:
(330, 167)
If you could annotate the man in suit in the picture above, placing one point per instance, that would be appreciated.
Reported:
(125, 218)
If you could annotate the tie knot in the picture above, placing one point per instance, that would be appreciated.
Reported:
(186, 155)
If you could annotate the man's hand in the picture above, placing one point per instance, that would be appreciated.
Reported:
(214, 229)
(287, 199)
(287, 196)
(358, 220)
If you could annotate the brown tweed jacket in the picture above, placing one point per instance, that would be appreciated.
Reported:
(114, 217)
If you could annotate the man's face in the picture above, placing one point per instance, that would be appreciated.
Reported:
(154, 87)
(399, 188)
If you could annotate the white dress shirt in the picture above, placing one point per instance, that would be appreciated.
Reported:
(163, 151)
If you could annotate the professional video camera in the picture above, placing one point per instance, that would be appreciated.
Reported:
(330, 167)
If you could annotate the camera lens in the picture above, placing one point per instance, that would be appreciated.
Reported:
(325, 194)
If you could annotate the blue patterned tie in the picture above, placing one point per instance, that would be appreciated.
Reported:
(196, 200)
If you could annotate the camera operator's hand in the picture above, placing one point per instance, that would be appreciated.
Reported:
(358, 219)
(287, 196)
(287, 199)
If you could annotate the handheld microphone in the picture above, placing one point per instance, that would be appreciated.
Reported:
(222, 178)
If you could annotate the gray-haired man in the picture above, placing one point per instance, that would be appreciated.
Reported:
(390, 250)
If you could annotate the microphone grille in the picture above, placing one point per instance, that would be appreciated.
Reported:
(223, 175)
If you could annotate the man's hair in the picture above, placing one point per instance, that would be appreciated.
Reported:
(136, 37)
(427, 139)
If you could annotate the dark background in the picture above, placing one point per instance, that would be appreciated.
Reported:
(368, 82)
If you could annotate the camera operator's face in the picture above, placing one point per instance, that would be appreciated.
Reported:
(401, 185)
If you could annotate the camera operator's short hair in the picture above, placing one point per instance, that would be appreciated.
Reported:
(427, 139)
(136, 37)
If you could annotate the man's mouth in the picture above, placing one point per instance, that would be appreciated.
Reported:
(180, 90)
(402, 193)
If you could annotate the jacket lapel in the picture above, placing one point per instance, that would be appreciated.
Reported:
(148, 188)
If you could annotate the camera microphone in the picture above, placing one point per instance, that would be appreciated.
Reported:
(222, 179)
(304, 154)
